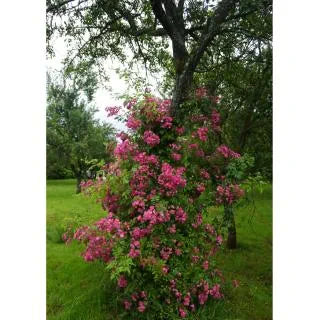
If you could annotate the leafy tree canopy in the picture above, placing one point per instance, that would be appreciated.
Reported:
(162, 34)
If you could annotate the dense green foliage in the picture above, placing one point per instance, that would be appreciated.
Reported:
(56, 168)
(77, 290)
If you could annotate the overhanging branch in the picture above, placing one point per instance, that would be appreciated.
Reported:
(54, 7)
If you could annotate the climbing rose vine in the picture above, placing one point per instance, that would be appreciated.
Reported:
(157, 238)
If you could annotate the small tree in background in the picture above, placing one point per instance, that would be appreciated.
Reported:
(74, 137)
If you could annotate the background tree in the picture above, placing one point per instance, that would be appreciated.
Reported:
(73, 135)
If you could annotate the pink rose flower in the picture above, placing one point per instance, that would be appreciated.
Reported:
(122, 282)
(141, 306)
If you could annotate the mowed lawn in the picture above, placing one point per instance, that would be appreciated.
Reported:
(77, 290)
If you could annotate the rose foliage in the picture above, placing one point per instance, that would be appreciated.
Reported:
(156, 238)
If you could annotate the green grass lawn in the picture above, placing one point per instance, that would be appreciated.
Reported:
(77, 290)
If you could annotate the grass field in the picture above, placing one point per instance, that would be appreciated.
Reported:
(78, 291)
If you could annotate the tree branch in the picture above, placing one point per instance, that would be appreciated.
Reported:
(53, 7)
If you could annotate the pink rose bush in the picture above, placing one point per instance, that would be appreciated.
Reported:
(156, 238)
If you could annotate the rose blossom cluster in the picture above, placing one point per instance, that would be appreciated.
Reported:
(203, 133)
(145, 159)
(196, 295)
(141, 180)
(176, 156)
(124, 149)
(138, 205)
(215, 121)
(98, 247)
(137, 300)
(227, 152)
(166, 122)
(180, 131)
(122, 282)
(111, 225)
(151, 138)
(110, 202)
(204, 174)
(171, 179)
(228, 194)
(67, 236)
(198, 151)
(129, 104)
(85, 185)
(157, 111)
(112, 111)
(133, 123)
(198, 221)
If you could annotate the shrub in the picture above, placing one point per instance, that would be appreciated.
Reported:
(164, 177)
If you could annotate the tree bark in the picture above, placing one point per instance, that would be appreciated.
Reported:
(78, 175)
(231, 226)
(78, 187)
(183, 82)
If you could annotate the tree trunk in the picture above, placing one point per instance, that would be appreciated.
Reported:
(181, 90)
(78, 188)
(183, 78)
(231, 225)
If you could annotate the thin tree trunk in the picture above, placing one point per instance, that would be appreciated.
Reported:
(231, 226)
(78, 187)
